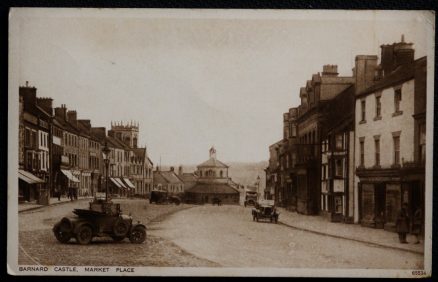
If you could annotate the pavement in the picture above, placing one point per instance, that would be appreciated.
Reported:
(355, 232)
(22, 207)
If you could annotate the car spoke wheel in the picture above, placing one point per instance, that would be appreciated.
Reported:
(138, 235)
(121, 228)
(84, 235)
(61, 236)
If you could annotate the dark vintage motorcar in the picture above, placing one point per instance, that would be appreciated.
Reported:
(265, 210)
(102, 219)
(216, 201)
(163, 197)
(250, 198)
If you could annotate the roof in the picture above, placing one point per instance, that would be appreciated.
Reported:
(213, 189)
(66, 125)
(212, 162)
(188, 177)
(401, 74)
(168, 177)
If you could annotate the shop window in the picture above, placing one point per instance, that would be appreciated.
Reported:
(393, 202)
(367, 207)
(338, 205)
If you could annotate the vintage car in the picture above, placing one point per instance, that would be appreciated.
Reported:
(265, 210)
(163, 197)
(102, 219)
(250, 198)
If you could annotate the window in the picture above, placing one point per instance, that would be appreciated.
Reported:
(377, 151)
(294, 130)
(396, 140)
(422, 142)
(363, 108)
(362, 152)
(339, 142)
(378, 107)
(397, 99)
(339, 168)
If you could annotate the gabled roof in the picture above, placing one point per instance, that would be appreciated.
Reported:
(168, 177)
(66, 125)
(213, 189)
(188, 177)
(212, 162)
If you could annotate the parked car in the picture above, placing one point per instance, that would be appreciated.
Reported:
(163, 197)
(265, 210)
(250, 198)
(102, 219)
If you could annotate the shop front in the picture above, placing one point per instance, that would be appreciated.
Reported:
(382, 193)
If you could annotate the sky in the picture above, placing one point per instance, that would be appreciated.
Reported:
(194, 79)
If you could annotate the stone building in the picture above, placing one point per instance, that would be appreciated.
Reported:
(213, 182)
(68, 175)
(141, 171)
(189, 178)
(311, 118)
(337, 158)
(168, 181)
(34, 171)
(391, 137)
(273, 172)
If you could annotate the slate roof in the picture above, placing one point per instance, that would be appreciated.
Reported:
(212, 162)
(168, 177)
(401, 74)
(213, 189)
(188, 177)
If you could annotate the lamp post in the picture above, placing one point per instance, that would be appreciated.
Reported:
(105, 154)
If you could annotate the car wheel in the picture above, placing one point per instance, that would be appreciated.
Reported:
(118, 238)
(84, 235)
(138, 235)
(120, 228)
(61, 236)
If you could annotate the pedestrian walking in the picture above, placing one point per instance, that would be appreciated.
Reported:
(417, 223)
(402, 223)
(58, 192)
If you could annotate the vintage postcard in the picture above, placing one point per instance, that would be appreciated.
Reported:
(190, 142)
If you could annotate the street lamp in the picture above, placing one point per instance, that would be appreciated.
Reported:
(105, 154)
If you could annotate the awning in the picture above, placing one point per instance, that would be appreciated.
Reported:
(70, 175)
(129, 183)
(123, 185)
(113, 180)
(29, 177)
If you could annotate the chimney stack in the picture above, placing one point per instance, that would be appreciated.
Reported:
(46, 104)
(364, 71)
(180, 170)
(72, 117)
(330, 70)
(61, 112)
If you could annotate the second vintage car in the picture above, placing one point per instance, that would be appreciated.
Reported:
(265, 210)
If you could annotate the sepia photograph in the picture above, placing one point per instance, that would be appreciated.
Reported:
(213, 142)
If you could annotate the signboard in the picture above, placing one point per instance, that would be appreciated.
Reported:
(56, 140)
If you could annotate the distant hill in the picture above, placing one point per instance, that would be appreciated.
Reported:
(242, 173)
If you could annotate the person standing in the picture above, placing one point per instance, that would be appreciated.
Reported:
(417, 223)
(402, 223)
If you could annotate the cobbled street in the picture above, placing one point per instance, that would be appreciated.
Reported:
(207, 236)
(38, 245)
